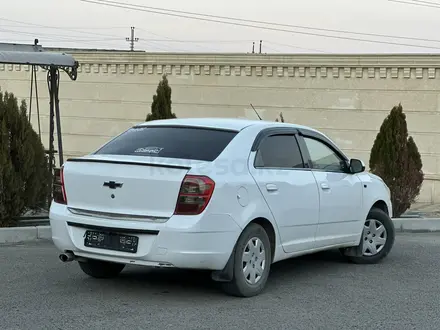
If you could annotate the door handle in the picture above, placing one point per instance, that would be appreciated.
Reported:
(325, 186)
(271, 187)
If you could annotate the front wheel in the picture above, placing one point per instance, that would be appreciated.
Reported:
(377, 239)
(101, 269)
(252, 260)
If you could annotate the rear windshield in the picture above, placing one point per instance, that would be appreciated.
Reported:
(170, 142)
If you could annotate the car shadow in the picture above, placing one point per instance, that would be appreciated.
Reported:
(188, 283)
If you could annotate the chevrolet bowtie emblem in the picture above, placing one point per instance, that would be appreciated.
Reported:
(113, 184)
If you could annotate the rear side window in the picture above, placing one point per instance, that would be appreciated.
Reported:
(170, 142)
(279, 151)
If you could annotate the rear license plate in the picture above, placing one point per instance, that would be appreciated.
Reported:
(111, 241)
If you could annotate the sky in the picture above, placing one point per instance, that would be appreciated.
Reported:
(79, 24)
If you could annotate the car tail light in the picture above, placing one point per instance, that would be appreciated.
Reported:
(58, 190)
(195, 193)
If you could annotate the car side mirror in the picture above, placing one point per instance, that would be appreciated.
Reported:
(356, 166)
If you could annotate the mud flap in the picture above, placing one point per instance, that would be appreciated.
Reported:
(227, 273)
(355, 251)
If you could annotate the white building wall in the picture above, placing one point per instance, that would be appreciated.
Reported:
(345, 96)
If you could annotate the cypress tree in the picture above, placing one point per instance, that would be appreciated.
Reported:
(6, 174)
(23, 164)
(10, 193)
(396, 159)
(37, 183)
(161, 106)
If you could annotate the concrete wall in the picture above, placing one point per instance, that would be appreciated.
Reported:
(347, 97)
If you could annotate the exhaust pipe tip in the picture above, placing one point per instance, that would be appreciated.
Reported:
(66, 257)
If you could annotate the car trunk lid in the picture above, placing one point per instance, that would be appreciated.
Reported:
(124, 185)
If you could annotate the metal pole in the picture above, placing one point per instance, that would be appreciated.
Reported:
(132, 39)
(51, 132)
(56, 84)
(50, 78)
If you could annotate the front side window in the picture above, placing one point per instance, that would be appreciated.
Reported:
(323, 157)
(279, 151)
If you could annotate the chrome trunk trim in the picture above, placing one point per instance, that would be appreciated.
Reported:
(116, 216)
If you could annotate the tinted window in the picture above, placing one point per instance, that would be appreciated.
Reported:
(279, 151)
(170, 142)
(322, 156)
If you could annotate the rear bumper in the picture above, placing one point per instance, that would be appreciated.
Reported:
(184, 242)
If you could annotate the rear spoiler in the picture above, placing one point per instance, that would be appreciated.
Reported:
(108, 161)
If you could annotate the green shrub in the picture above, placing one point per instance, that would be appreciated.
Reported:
(161, 106)
(396, 159)
(24, 174)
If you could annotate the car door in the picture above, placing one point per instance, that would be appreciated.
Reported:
(340, 192)
(289, 189)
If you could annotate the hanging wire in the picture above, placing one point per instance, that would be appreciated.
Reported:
(51, 121)
(34, 78)
(36, 99)
(32, 89)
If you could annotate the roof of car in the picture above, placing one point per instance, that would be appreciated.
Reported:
(223, 123)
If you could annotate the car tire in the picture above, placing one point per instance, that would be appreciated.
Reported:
(369, 238)
(101, 269)
(253, 236)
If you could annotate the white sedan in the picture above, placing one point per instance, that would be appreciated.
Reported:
(231, 196)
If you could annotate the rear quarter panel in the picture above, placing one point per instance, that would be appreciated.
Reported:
(236, 193)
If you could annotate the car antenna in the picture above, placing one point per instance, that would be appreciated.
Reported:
(256, 112)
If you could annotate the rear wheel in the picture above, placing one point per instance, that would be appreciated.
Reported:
(101, 269)
(252, 260)
(377, 239)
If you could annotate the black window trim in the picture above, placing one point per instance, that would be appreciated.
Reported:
(305, 133)
(264, 133)
(274, 131)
